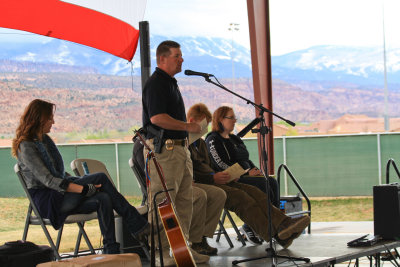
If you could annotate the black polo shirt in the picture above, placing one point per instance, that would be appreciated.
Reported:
(161, 95)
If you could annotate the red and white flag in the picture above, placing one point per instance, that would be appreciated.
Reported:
(108, 25)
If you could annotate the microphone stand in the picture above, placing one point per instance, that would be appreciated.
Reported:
(263, 130)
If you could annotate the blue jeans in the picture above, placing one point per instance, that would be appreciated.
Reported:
(104, 202)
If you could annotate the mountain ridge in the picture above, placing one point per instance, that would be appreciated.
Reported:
(326, 66)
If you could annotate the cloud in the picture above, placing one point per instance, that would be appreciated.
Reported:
(207, 18)
(295, 24)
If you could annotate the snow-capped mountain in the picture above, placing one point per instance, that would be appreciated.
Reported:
(316, 68)
(211, 55)
(362, 66)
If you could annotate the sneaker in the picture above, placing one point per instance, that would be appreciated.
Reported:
(204, 248)
(250, 235)
(291, 228)
(199, 258)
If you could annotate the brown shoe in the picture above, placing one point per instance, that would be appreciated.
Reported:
(287, 242)
(199, 258)
(291, 228)
(204, 248)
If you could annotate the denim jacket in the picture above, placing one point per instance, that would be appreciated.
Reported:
(35, 172)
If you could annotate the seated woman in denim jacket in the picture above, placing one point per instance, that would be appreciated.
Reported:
(57, 194)
(226, 149)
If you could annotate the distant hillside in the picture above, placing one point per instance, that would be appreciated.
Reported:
(94, 102)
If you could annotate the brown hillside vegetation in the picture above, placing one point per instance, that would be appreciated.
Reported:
(92, 102)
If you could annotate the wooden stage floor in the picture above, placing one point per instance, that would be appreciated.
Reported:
(323, 249)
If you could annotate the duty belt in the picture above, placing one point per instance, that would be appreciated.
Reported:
(170, 143)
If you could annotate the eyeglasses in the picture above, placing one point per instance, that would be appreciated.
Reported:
(231, 118)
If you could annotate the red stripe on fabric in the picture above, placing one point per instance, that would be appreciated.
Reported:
(70, 22)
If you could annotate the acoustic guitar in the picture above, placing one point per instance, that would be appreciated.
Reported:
(182, 255)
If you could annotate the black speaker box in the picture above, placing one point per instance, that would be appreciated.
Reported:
(387, 211)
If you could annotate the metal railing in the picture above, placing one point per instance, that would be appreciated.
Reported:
(391, 162)
(308, 211)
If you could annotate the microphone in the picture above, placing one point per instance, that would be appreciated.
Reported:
(250, 126)
(195, 73)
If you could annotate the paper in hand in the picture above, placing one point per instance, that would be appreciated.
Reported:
(235, 171)
(204, 129)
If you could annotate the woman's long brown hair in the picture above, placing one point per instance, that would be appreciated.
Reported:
(36, 114)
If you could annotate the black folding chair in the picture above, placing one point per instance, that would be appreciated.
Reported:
(137, 165)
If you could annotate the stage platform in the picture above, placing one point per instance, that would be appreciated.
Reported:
(325, 246)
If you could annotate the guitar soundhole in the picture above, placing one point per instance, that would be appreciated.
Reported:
(170, 223)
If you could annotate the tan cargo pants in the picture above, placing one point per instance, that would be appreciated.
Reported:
(178, 173)
(208, 203)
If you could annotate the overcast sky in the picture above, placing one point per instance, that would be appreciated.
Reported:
(295, 24)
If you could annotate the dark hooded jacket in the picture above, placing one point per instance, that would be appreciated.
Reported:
(225, 152)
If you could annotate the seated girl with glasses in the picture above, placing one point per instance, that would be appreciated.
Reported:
(226, 149)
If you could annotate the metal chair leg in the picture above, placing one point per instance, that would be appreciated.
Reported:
(223, 231)
(27, 221)
(52, 245)
(240, 237)
(82, 232)
(222, 220)
(59, 235)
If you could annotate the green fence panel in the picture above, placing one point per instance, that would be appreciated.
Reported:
(345, 165)
(252, 147)
(333, 165)
(10, 185)
(128, 182)
(278, 154)
(68, 153)
(390, 149)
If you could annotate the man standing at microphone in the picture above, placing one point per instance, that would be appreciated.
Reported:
(164, 119)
